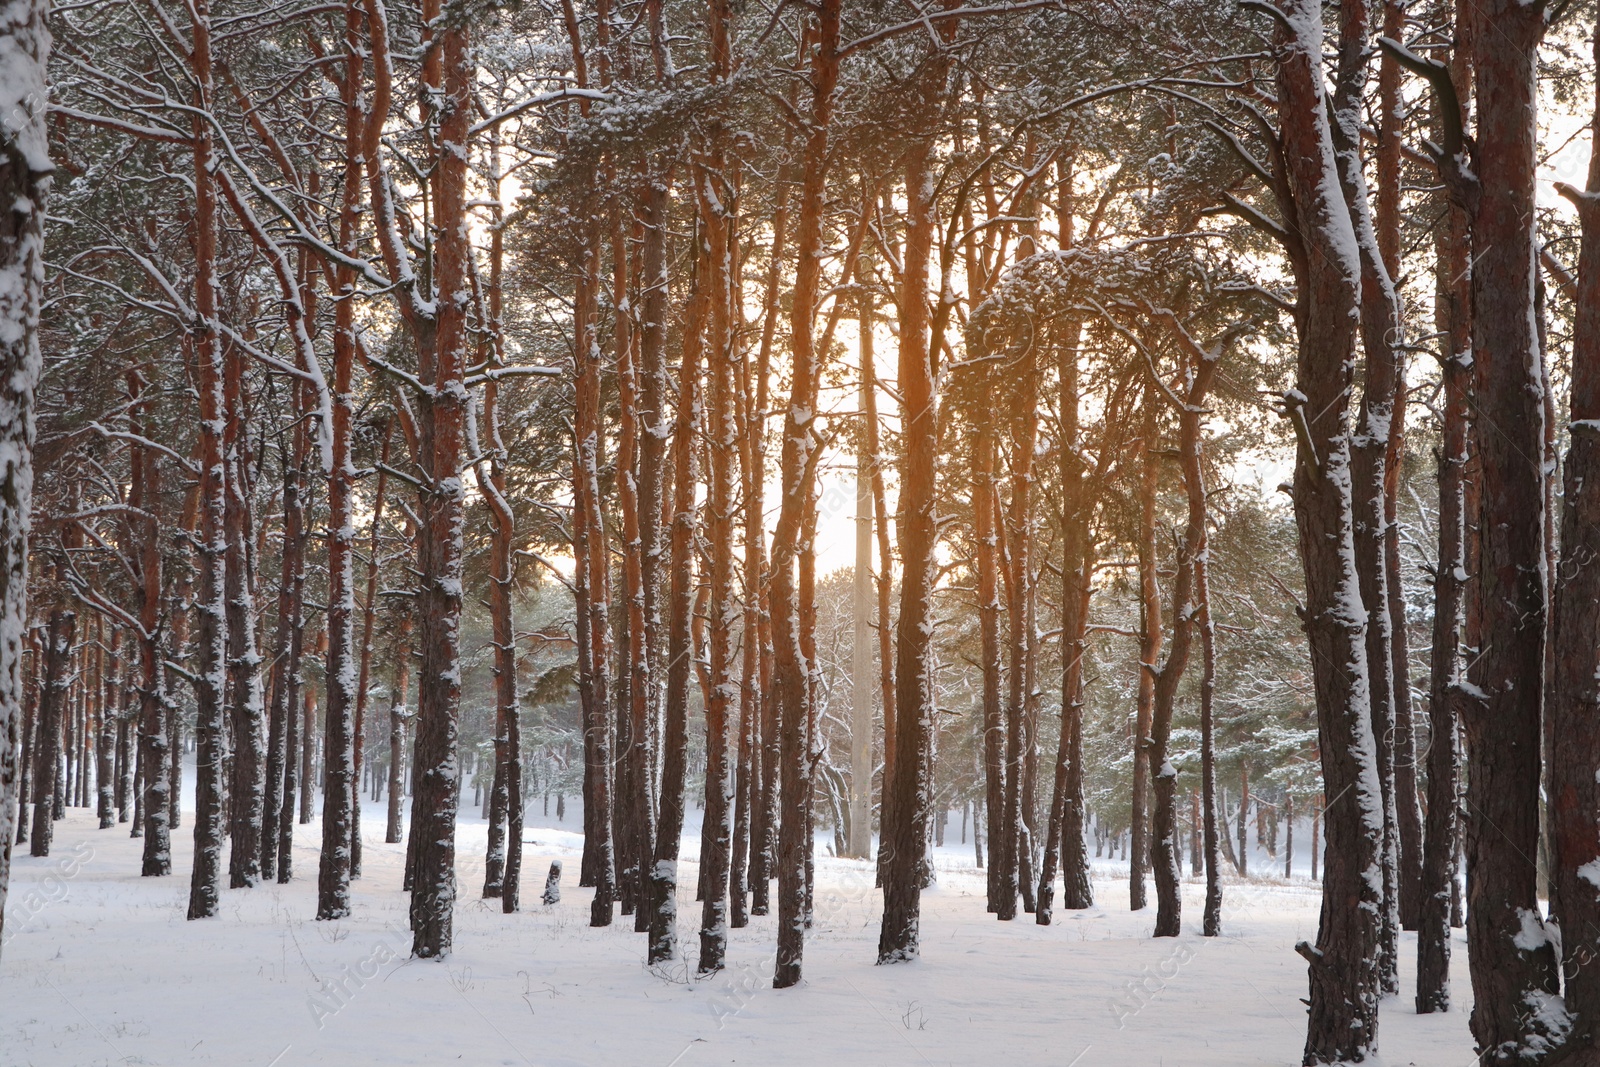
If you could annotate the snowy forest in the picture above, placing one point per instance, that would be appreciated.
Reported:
(793, 531)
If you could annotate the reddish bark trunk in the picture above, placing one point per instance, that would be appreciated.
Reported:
(1575, 693)
(717, 200)
(1452, 318)
(1344, 976)
(1501, 708)
(791, 687)
(211, 599)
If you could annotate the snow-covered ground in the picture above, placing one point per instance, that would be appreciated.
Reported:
(100, 967)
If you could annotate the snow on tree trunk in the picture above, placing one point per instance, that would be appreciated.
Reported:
(859, 845)
(53, 693)
(718, 224)
(654, 387)
(1002, 871)
(1452, 318)
(24, 184)
(503, 802)
(1150, 641)
(369, 620)
(1025, 443)
(152, 821)
(1574, 699)
(1326, 262)
(110, 672)
(1211, 921)
(880, 510)
(908, 797)
(340, 781)
(595, 562)
(791, 689)
(123, 769)
(758, 768)
(392, 834)
(1515, 975)
(211, 607)
(23, 747)
(1064, 836)
(1382, 334)
(503, 866)
(295, 690)
(663, 881)
(633, 813)
(1387, 218)
(439, 542)
(308, 745)
(1190, 608)
(280, 709)
(247, 769)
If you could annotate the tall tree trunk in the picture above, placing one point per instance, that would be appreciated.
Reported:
(1387, 222)
(861, 688)
(808, 654)
(1452, 318)
(155, 783)
(341, 777)
(442, 343)
(1021, 698)
(123, 769)
(24, 745)
(759, 658)
(296, 774)
(247, 771)
(663, 935)
(54, 692)
(791, 690)
(211, 637)
(636, 847)
(907, 796)
(106, 729)
(1190, 607)
(598, 798)
(61, 779)
(1382, 335)
(752, 464)
(1002, 871)
(279, 756)
(717, 201)
(885, 584)
(621, 686)
(177, 611)
(1500, 708)
(369, 619)
(392, 834)
(1149, 651)
(24, 182)
(1211, 921)
(1575, 693)
(308, 750)
(654, 388)
(503, 865)
(589, 548)
(1064, 837)
(1242, 823)
(752, 851)
(1344, 975)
